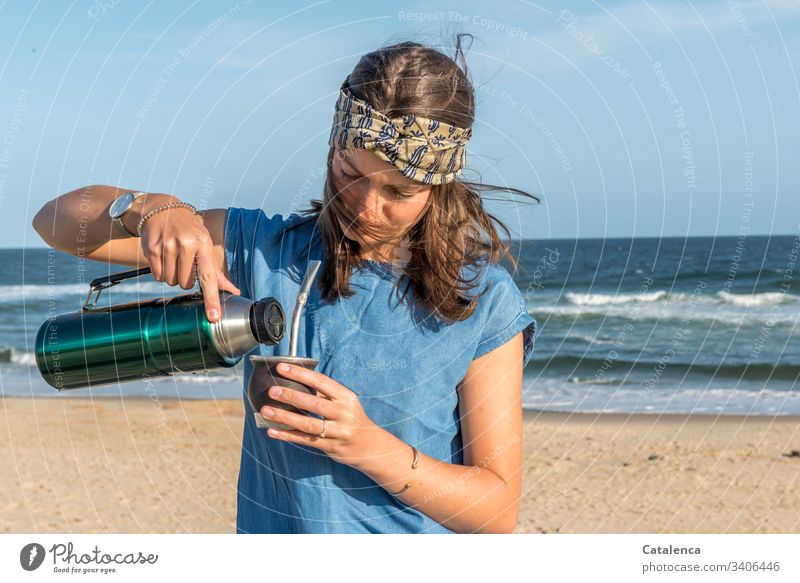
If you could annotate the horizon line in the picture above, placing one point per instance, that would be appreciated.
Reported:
(568, 238)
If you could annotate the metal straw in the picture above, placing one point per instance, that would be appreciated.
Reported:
(302, 298)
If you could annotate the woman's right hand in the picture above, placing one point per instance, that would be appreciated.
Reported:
(174, 242)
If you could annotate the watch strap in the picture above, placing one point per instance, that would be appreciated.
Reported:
(118, 219)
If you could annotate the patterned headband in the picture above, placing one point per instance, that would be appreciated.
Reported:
(426, 150)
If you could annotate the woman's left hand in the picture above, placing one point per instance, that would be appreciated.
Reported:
(348, 430)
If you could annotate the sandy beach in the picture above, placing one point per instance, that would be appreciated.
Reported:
(143, 466)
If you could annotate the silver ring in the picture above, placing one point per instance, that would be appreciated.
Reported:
(322, 433)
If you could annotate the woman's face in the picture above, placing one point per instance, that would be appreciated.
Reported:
(376, 191)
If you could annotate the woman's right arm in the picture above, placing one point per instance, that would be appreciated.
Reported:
(172, 241)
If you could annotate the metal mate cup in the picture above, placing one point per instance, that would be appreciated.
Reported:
(265, 373)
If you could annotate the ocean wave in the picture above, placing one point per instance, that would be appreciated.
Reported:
(721, 297)
(553, 395)
(761, 299)
(23, 293)
(583, 367)
(209, 377)
(721, 308)
(594, 299)
(11, 355)
(590, 339)
(576, 380)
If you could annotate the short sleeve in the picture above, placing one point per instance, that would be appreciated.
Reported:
(506, 315)
(241, 226)
(249, 232)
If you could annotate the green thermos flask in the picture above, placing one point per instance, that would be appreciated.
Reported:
(155, 337)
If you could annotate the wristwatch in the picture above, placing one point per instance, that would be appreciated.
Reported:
(121, 205)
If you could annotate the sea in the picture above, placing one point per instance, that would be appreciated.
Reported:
(637, 325)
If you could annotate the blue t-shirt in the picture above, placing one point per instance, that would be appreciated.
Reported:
(402, 362)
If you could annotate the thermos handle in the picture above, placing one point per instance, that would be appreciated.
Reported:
(106, 281)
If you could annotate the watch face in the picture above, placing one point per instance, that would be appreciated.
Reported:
(121, 205)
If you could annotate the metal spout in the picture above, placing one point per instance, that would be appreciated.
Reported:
(302, 298)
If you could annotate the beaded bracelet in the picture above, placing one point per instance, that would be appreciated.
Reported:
(158, 209)
(413, 467)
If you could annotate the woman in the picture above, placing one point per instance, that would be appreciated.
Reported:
(420, 334)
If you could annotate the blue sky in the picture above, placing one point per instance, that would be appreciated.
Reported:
(629, 118)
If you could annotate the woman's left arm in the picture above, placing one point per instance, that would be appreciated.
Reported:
(480, 496)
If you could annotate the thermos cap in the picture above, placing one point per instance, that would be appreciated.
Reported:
(267, 321)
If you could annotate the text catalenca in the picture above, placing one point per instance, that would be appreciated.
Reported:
(670, 550)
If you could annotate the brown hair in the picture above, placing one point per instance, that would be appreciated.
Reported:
(455, 230)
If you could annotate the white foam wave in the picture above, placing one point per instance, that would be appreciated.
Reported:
(724, 297)
(24, 358)
(723, 306)
(590, 299)
(208, 377)
(727, 315)
(595, 340)
(549, 394)
(24, 293)
(16, 356)
(762, 299)
(593, 380)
